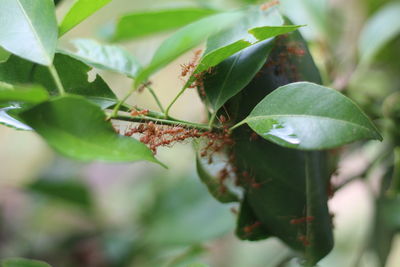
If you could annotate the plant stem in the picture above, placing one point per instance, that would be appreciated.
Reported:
(174, 100)
(57, 79)
(237, 125)
(114, 113)
(155, 98)
(185, 124)
(309, 178)
(212, 118)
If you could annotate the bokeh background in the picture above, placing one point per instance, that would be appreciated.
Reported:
(72, 214)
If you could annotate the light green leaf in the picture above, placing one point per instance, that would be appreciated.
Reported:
(186, 39)
(308, 116)
(29, 29)
(4, 55)
(137, 25)
(381, 28)
(78, 129)
(106, 57)
(80, 10)
(20, 262)
(31, 94)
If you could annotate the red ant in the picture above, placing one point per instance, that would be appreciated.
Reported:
(135, 113)
(302, 220)
(268, 5)
(189, 67)
(303, 239)
(250, 228)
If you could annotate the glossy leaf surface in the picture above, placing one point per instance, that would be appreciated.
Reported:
(140, 24)
(381, 28)
(89, 138)
(32, 94)
(213, 184)
(308, 116)
(80, 10)
(29, 29)
(185, 39)
(20, 262)
(106, 57)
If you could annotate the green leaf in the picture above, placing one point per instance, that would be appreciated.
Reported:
(381, 28)
(16, 70)
(247, 41)
(4, 55)
(32, 94)
(137, 25)
(274, 194)
(29, 29)
(69, 191)
(74, 77)
(213, 184)
(80, 10)
(308, 116)
(20, 262)
(77, 128)
(106, 57)
(186, 39)
(318, 230)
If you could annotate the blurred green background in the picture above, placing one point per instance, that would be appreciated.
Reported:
(73, 214)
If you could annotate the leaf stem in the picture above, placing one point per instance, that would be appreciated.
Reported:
(212, 119)
(185, 124)
(155, 98)
(237, 125)
(56, 79)
(174, 100)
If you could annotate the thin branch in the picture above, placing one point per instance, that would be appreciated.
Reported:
(57, 79)
(155, 98)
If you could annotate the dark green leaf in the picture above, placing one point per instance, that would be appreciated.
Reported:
(308, 116)
(20, 262)
(16, 71)
(74, 77)
(106, 57)
(275, 194)
(136, 25)
(219, 192)
(233, 74)
(246, 40)
(69, 191)
(33, 94)
(4, 55)
(186, 39)
(78, 129)
(29, 29)
(80, 10)
(379, 30)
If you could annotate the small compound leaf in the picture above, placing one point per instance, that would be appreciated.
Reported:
(185, 39)
(80, 10)
(308, 116)
(218, 191)
(20, 262)
(106, 57)
(381, 28)
(74, 77)
(25, 94)
(4, 55)
(29, 29)
(77, 128)
(140, 24)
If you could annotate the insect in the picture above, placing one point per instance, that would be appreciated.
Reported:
(302, 220)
